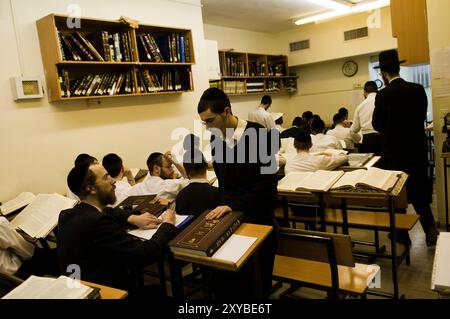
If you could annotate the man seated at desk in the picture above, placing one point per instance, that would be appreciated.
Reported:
(92, 237)
(122, 175)
(320, 141)
(161, 179)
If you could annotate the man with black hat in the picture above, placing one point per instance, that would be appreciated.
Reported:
(92, 236)
(399, 115)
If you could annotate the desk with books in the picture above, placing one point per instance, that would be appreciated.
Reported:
(107, 292)
(395, 197)
(260, 232)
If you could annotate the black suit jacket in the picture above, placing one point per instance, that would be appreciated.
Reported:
(98, 243)
(399, 115)
(195, 198)
(242, 182)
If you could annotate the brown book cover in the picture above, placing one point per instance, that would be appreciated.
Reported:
(204, 237)
(145, 204)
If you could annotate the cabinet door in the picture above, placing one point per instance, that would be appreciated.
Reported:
(410, 27)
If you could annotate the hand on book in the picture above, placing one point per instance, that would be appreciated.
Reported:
(168, 216)
(144, 221)
(218, 212)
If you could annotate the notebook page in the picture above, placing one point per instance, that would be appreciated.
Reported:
(148, 233)
(440, 278)
(234, 248)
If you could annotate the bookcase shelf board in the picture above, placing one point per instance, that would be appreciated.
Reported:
(252, 74)
(104, 58)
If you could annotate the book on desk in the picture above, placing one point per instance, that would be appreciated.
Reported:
(145, 204)
(52, 288)
(204, 237)
(372, 179)
(40, 217)
(318, 181)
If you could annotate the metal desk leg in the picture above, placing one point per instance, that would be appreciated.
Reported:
(176, 278)
(393, 247)
(323, 226)
(344, 216)
(446, 194)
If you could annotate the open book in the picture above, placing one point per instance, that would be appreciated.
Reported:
(440, 277)
(22, 200)
(40, 217)
(368, 180)
(180, 222)
(52, 288)
(319, 181)
(138, 173)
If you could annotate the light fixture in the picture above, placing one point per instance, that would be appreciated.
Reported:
(331, 4)
(344, 10)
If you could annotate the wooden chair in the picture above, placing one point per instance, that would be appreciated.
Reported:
(322, 261)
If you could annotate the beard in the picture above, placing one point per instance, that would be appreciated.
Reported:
(106, 197)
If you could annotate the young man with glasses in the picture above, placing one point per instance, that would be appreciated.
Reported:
(243, 154)
(161, 179)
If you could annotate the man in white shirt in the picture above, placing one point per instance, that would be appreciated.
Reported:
(13, 248)
(122, 175)
(343, 133)
(260, 114)
(362, 121)
(320, 141)
(305, 161)
(161, 178)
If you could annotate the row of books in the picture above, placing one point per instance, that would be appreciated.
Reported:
(253, 87)
(361, 180)
(163, 80)
(95, 46)
(234, 87)
(96, 84)
(235, 67)
(167, 48)
(277, 69)
(273, 86)
(257, 68)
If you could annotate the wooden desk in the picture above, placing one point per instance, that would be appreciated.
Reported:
(107, 292)
(446, 155)
(259, 231)
(374, 197)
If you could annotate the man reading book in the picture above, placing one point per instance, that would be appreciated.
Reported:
(244, 161)
(92, 236)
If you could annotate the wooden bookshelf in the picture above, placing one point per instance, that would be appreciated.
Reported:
(104, 59)
(250, 73)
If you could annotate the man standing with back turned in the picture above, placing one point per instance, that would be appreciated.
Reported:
(399, 115)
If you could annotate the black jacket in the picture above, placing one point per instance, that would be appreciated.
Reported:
(242, 182)
(98, 243)
(399, 115)
(196, 198)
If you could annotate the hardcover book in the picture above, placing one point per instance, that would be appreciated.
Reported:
(204, 237)
(144, 203)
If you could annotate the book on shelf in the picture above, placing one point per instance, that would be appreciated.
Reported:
(52, 288)
(145, 204)
(18, 202)
(180, 222)
(40, 217)
(440, 276)
(204, 237)
(372, 179)
(318, 181)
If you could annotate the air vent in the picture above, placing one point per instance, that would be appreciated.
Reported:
(356, 34)
(299, 45)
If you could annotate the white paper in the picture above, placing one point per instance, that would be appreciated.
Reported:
(440, 278)
(148, 233)
(234, 248)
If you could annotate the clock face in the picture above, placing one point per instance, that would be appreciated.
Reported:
(350, 68)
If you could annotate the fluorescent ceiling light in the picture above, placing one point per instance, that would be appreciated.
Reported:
(341, 12)
(331, 4)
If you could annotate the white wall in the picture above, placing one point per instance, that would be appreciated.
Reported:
(327, 38)
(40, 140)
(439, 38)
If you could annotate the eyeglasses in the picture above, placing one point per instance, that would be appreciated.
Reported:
(210, 120)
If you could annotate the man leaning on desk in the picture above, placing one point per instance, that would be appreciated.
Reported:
(92, 237)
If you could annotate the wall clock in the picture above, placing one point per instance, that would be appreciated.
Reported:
(350, 68)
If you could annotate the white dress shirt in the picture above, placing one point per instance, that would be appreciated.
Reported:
(13, 248)
(362, 120)
(345, 134)
(311, 162)
(322, 142)
(122, 188)
(163, 188)
(261, 116)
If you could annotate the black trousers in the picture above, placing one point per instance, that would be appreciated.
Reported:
(372, 143)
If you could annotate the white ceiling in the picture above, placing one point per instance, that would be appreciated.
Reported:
(259, 15)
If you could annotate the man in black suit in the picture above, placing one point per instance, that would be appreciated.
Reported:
(92, 236)
(244, 161)
(399, 115)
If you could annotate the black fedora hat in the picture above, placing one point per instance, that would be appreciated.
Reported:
(388, 58)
